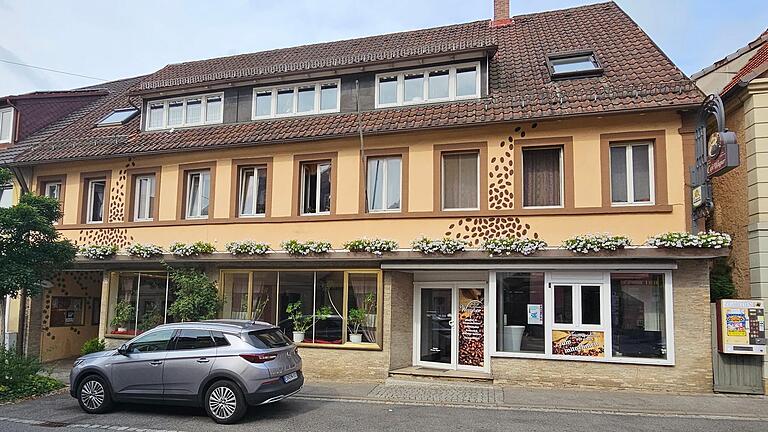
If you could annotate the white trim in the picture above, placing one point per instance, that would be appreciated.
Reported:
(442, 180)
(317, 186)
(562, 176)
(10, 132)
(534, 266)
(385, 184)
(606, 319)
(89, 206)
(241, 190)
(273, 90)
(184, 99)
(452, 84)
(630, 173)
(150, 178)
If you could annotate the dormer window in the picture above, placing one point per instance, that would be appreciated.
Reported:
(186, 111)
(438, 84)
(118, 117)
(296, 99)
(575, 64)
(6, 125)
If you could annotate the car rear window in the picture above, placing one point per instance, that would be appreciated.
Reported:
(269, 338)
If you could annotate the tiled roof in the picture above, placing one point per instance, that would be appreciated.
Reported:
(757, 62)
(637, 76)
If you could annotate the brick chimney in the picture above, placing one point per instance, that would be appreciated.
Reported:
(501, 13)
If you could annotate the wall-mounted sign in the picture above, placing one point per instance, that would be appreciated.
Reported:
(741, 327)
(697, 196)
(578, 343)
(722, 153)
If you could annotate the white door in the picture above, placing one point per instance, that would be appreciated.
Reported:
(450, 326)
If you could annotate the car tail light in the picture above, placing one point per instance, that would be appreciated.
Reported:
(258, 358)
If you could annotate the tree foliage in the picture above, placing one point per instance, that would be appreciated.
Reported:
(196, 296)
(721, 281)
(5, 175)
(31, 249)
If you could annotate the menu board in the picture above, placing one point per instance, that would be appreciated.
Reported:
(578, 343)
(471, 327)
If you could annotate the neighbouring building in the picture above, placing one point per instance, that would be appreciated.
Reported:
(741, 195)
(543, 126)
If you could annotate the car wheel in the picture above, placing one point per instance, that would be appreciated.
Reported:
(224, 402)
(93, 395)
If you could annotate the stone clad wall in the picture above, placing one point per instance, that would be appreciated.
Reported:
(692, 371)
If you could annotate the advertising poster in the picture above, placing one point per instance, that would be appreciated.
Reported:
(578, 343)
(471, 327)
(534, 314)
(736, 323)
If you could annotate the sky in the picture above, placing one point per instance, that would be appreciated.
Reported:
(110, 39)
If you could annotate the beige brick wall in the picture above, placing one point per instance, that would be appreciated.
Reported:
(401, 289)
(692, 371)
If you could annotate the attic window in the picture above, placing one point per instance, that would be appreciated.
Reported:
(576, 64)
(118, 117)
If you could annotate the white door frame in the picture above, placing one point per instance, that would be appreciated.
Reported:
(454, 287)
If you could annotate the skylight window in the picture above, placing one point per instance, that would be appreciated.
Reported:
(118, 117)
(583, 63)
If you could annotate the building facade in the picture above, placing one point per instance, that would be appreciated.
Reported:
(741, 80)
(471, 131)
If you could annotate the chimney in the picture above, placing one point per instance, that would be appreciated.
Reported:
(501, 13)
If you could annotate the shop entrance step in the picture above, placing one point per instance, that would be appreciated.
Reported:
(432, 374)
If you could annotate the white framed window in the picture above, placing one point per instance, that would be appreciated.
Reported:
(185, 111)
(316, 188)
(542, 177)
(144, 198)
(253, 191)
(296, 99)
(384, 184)
(95, 204)
(460, 178)
(619, 316)
(198, 194)
(52, 189)
(437, 84)
(632, 176)
(6, 195)
(6, 125)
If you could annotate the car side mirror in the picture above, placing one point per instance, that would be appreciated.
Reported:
(124, 349)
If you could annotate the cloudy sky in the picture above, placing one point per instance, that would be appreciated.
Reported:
(118, 39)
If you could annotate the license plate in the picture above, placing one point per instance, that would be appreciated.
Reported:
(290, 377)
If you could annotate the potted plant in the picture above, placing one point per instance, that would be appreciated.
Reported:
(302, 323)
(358, 317)
(122, 314)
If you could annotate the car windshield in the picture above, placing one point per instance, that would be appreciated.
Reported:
(269, 338)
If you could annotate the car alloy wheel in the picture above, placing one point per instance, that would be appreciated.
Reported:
(92, 394)
(222, 402)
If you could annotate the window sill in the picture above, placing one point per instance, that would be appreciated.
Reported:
(346, 346)
(633, 204)
(620, 360)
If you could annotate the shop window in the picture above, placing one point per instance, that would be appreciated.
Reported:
(461, 181)
(542, 177)
(140, 303)
(323, 297)
(520, 299)
(67, 311)
(638, 318)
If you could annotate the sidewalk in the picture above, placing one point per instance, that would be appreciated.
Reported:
(515, 398)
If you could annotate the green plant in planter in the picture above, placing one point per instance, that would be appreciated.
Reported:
(357, 317)
(93, 345)
(302, 323)
(122, 314)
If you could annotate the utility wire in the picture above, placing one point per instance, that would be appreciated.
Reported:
(53, 70)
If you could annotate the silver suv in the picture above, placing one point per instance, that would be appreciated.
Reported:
(223, 365)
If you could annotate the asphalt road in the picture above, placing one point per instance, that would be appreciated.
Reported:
(61, 412)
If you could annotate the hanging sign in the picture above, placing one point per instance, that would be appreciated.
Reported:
(722, 153)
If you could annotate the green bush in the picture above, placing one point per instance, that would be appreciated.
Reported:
(93, 345)
(19, 377)
(197, 297)
(720, 281)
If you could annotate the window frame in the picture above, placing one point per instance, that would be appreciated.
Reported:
(80, 299)
(104, 123)
(442, 181)
(297, 187)
(386, 186)
(6, 188)
(562, 177)
(85, 195)
(114, 287)
(567, 173)
(437, 171)
(184, 99)
(148, 199)
(183, 186)
(131, 197)
(378, 346)
(629, 150)
(318, 186)
(187, 202)
(317, 109)
(425, 71)
(597, 277)
(42, 188)
(12, 123)
(365, 155)
(596, 70)
(241, 191)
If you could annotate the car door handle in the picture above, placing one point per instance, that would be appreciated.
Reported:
(202, 360)
(156, 363)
